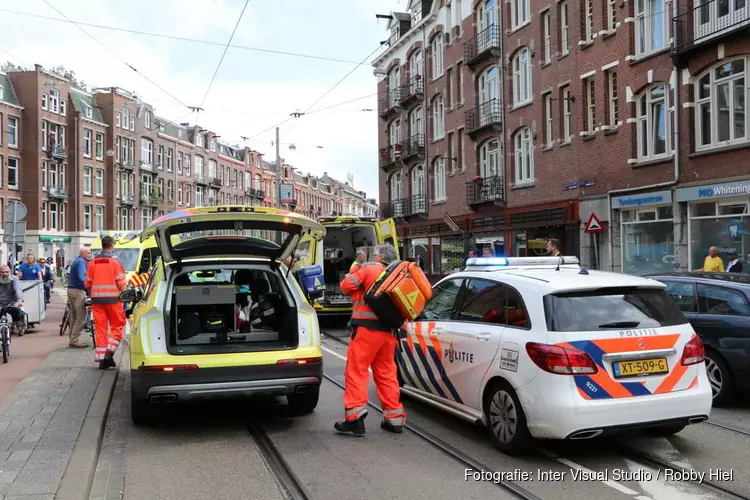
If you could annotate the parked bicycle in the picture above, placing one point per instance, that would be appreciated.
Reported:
(87, 325)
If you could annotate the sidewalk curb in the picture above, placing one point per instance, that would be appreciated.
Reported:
(79, 473)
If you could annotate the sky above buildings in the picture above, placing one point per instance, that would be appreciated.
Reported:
(253, 90)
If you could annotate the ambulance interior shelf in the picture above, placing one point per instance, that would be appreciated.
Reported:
(216, 309)
(339, 252)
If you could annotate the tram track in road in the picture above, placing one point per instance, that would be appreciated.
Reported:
(288, 482)
(663, 465)
(728, 427)
(447, 449)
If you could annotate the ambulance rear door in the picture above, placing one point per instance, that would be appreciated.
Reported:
(387, 233)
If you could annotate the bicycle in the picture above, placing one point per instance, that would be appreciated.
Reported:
(87, 325)
(5, 333)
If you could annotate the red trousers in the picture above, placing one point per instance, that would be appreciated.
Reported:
(376, 349)
(109, 321)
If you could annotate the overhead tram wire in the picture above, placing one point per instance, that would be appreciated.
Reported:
(118, 57)
(226, 48)
(181, 38)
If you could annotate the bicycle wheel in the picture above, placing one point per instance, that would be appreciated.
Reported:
(5, 335)
(66, 320)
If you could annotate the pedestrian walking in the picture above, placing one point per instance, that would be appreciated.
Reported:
(77, 297)
(105, 279)
(11, 299)
(30, 270)
(553, 247)
(48, 277)
(712, 262)
(734, 265)
(372, 344)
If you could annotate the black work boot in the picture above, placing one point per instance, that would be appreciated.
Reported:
(353, 427)
(387, 426)
(107, 361)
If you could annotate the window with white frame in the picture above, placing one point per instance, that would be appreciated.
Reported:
(53, 216)
(547, 34)
(438, 176)
(521, 77)
(436, 48)
(519, 11)
(54, 100)
(99, 218)
(87, 174)
(653, 116)
(87, 143)
(590, 94)
(588, 20)
(524, 155)
(199, 139)
(417, 183)
(438, 118)
(12, 131)
(99, 182)
(147, 119)
(88, 211)
(611, 14)
(45, 101)
(651, 26)
(563, 16)
(63, 107)
(548, 138)
(721, 105)
(99, 146)
(88, 111)
(147, 214)
(147, 152)
(489, 159)
(125, 117)
(13, 173)
(614, 114)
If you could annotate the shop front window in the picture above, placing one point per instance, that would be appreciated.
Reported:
(417, 250)
(492, 245)
(647, 241)
(452, 252)
(725, 225)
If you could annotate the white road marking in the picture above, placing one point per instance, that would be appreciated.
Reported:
(659, 488)
(610, 483)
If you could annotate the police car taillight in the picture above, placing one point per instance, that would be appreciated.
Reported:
(561, 360)
(694, 352)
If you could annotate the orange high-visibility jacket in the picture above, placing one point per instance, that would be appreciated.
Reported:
(105, 277)
(355, 284)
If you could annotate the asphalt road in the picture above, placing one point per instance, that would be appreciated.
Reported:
(206, 451)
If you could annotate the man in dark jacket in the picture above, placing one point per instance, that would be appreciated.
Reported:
(734, 265)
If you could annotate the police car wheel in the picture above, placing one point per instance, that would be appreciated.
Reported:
(140, 410)
(506, 419)
(305, 402)
(719, 378)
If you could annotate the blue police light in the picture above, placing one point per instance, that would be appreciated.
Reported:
(487, 262)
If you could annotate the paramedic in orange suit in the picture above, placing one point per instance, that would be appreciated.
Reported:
(105, 279)
(372, 344)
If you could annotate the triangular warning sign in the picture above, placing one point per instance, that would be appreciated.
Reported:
(317, 281)
(593, 225)
(412, 297)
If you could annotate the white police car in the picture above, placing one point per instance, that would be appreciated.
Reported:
(541, 348)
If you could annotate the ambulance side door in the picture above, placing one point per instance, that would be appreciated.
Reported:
(419, 359)
(471, 342)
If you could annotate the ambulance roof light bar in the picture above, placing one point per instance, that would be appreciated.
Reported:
(500, 263)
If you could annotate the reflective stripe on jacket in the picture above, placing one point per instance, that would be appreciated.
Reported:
(355, 284)
(105, 277)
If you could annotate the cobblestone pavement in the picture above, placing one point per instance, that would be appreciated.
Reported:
(41, 422)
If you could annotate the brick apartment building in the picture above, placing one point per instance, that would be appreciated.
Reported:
(504, 124)
(83, 162)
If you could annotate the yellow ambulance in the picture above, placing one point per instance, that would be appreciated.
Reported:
(336, 252)
(136, 257)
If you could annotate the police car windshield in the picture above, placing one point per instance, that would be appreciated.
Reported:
(128, 257)
(611, 308)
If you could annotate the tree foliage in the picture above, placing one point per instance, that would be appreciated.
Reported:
(8, 66)
(60, 70)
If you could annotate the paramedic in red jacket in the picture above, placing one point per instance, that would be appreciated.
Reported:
(372, 344)
(105, 279)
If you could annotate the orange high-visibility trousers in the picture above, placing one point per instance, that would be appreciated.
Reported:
(376, 349)
(109, 321)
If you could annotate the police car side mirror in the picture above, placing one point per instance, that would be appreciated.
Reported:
(130, 295)
(311, 281)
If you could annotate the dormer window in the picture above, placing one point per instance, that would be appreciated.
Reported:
(88, 111)
(2, 92)
(199, 139)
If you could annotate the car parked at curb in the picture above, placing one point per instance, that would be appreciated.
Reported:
(718, 308)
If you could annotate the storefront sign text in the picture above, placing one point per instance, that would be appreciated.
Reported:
(726, 189)
(644, 199)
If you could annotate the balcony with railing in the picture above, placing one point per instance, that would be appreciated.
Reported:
(389, 102)
(214, 181)
(147, 165)
(150, 197)
(485, 45)
(412, 148)
(129, 199)
(485, 190)
(404, 207)
(57, 192)
(57, 152)
(389, 156)
(710, 22)
(127, 164)
(255, 193)
(486, 115)
(200, 180)
(413, 90)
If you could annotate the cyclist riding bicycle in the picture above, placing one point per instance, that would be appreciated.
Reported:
(11, 299)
